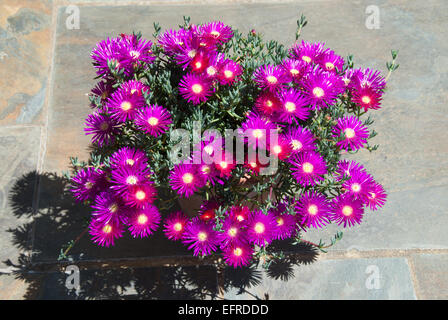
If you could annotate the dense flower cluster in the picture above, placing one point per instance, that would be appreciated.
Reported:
(311, 97)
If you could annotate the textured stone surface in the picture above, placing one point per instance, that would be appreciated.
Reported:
(19, 148)
(25, 48)
(432, 275)
(337, 279)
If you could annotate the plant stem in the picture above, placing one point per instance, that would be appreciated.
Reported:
(76, 240)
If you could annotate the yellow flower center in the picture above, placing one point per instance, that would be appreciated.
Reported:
(223, 164)
(307, 167)
(131, 180)
(329, 66)
(296, 144)
(306, 59)
(277, 149)
(211, 71)
(202, 236)
(205, 169)
(113, 208)
(272, 79)
(349, 133)
(125, 106)
(187, 178)
(257, 133)
(197, 88)
(153, 121)
(347, 210)
(88, 185)
(208, 150)
(228, 74)
(259, 227)
(372, 195)
(253, 164)
(366, 99)
(238, 252)
(356, 187)
(215, 33)
(294, 72)
(130, 162)
(107, 228)
(140, 195)
(142, 219)
(269, 103)
(177, 226)
(318, 92)
(290, 106)
(192, 53)
(232, 232)
(312, 209)
(280, 221)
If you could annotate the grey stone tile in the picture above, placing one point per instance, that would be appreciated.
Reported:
(352, 279)
(19, 147)
(431, 271)
(25, 56)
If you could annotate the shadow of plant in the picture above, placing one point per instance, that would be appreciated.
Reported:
(55, 219)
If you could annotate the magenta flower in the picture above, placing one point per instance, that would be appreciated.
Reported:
(216, 32)
(229, 72)
(144, 222)
(260, 228)
(285, 226)
(107, 52)
(239, 214)
(308, 168)
(126, 177)
(200, 237)
(103, 90)
(128, 157)
(322, 88)
(295, 69)
(271, 78)
(359, 184)
(281, 149)
(267, 103)
(226, 165)
(104, 234)
(239, 255)
(195, 88)
(354, 133)
(313, 210)
(136, 51)
(207, 210)
(376, 197)
(331, 62)
(301, 139)
(102, 128)
(366, 78)
(347, 210)
(367, 98)
(233, 234)
(293, 107)
(185, 179)
(175, 225)
(87, 183)
(346, 168)
(124, 105)
(135, 87)
(140, 195)
(109, 208)
(257, 130)
(153, 120)
(307, 52)
(173, 41)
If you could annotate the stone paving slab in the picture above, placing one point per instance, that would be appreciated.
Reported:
(413, 171)
(352, 279)
(25, 55)
(432, 275)
(19, 148)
